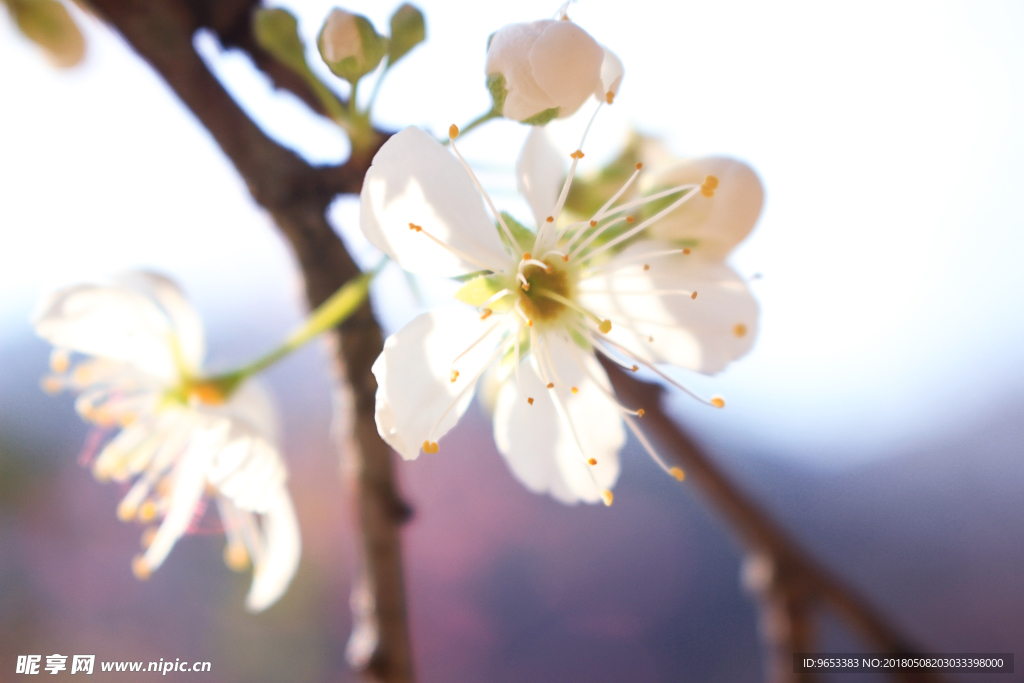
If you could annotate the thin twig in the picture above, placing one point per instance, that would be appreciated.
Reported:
(786, 580)
(297, 196)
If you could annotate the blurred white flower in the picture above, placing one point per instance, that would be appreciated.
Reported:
(557, 296)
(546, 69)
(180, 436)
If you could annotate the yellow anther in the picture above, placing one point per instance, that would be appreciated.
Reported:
(593, 224)
(578, 154)
(207, 393)
(607, 497)
(52, 385)
(707, 188)
(140, 568)
(694, 295)
(526, 287)
(529, 323)
(453, 131)
(640, 412)
(605, 327)
(718, 401)
(147, 511)
(126, 511)
(430, 447)
(455, 375)
(609, 97)
(527, 256)
(566, 258)
(236, 557)
(59, 361)
(592, 461)
(147, 537)
(486, 313)
(550, 219)
(639, 165)
(647, 266)
(417, 228)
(83, 374)
(678, 473)
(740, 330)
(686, 251)
(575, 390)
(635, 368)
(530, 400)
(630, 219)
(551, 385)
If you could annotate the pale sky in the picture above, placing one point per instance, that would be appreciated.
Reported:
(887, 136)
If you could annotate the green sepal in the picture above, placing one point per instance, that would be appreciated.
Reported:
(525, 237)
(277, 31)
(374, 46)
(496, 86)
(480, 289)
(408, 30)
(543, 117)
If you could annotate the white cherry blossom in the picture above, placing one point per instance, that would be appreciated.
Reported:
(545, 303)
(138, 347)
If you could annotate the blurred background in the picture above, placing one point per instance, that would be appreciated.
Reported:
(880, 416)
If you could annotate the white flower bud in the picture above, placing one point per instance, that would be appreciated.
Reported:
(548, 68)
(340, 37)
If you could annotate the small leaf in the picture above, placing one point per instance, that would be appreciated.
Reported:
(543, 117)
(277, 32)
(408, 30)
(48, 24)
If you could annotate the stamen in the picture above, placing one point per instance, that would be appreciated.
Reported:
(141, 568)
(236, 557)
(578, 154)
(592, 461)
(453, 131)
(593, 236)
(500, 295)
(686, 251)
(575, 390)
(530, 400)
(455, 376)
(60, 360)
(480, 188)
(707, 188)
(551, 385)
(455, 373)
(718, 401)
(608, 497)
(677, 472)
(740, 330)
(673, 471)
(430, 446)
(451, 249)
(609, 97)
(526, 283)
(485, 314)
(616, 263)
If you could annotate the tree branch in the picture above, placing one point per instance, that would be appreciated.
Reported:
(786, 580)
(297, 196)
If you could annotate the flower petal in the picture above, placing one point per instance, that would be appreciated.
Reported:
(537, 440)
(417, 400)
(566, 63)
(654, 316)
(540, 172)
(109, 322)
(185, 320)
(282, 548)
(713, 224)
(611, 76)
(414, 180)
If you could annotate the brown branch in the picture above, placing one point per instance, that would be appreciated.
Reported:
(786, 580)
(297, 196)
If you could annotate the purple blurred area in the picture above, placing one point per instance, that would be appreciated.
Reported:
(504, 585)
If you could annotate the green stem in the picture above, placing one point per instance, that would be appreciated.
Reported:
(327, 315)
(376, 87)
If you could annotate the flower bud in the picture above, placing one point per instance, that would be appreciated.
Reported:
(350, 45)
(542, 70)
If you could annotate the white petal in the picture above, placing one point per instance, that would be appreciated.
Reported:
(282, 547)
(415, 390)
(189, 482)
(508, 54)
(714, 224)
(537, 441)
(540, 172)
(185, 320)
(252, 406)
(109, 322)
(413, 179)
(566, 63)
(611, 76)
(703, 334)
